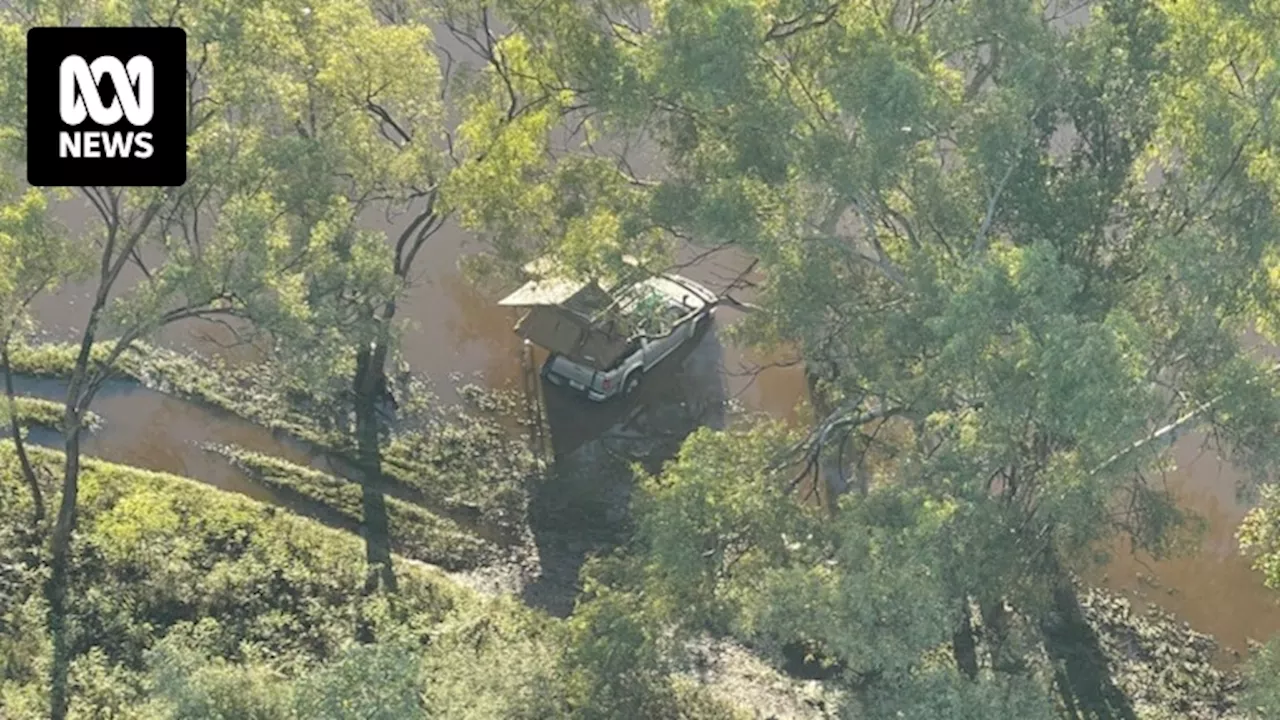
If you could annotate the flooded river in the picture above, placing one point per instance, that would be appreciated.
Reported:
(1215, 590)
(453, 328)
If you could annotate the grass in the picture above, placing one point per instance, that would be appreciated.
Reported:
(156, 554)
(415, 533)
(51, 360)
(38, 412)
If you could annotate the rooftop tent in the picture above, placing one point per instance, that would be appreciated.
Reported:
(550, 291)
(560, 319)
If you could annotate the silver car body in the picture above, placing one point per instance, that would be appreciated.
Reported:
(685, 304)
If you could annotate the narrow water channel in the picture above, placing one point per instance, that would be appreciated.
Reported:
(151, 430)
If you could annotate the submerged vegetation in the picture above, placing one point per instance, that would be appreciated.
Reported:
(1167, 668)
(41, 413)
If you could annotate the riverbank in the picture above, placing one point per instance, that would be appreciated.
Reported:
(165, 569)
(156, 554)
(414, 533)
(256, 393)
(460, 462)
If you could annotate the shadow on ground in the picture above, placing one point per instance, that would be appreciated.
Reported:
(581, 507)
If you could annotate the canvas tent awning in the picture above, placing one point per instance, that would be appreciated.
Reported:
(569, 318)
(549, 291)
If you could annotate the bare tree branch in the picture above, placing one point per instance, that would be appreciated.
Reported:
(801, 23)
(980, 242)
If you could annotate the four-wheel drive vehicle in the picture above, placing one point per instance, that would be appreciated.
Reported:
(602, 342)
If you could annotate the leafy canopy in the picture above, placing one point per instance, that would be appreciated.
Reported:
(1018, 255)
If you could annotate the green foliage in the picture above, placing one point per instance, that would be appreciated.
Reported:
(494, 666)
(1018, 258)
(189, 684)
(37, 412)
(620, 656)
(1260, 535)
(617, 665)
(199, 604)
(1262, 696)
(724, 546)
(160, 555)
(415, 533)
(377, 681)
(38, 255)
(713, 516)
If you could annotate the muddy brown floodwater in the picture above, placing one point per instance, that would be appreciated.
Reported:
(162, 433)
(454, 328)
(1215, 589)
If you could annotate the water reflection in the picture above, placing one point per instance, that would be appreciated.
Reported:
(1215, 590)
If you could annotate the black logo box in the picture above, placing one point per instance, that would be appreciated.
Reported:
(166, 47)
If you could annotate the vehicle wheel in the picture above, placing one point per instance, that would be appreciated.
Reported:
(631, 383)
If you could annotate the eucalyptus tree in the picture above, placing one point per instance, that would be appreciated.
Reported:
(357, 105)
(1018, 255)
(387, 117)
(36, 255)
(239, 239)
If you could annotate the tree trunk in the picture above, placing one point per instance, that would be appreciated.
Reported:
(995, 627)
(56, 588)
(79, 394)
(963, 646)
(19, 445)
(830, 484)
(368, 388)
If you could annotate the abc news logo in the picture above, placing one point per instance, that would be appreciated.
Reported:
(106, 106)
(78, 99)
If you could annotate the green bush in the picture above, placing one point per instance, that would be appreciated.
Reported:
(377, 682)
(1262, 676)
(155, 554)
(191, 603)
(496, 664)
